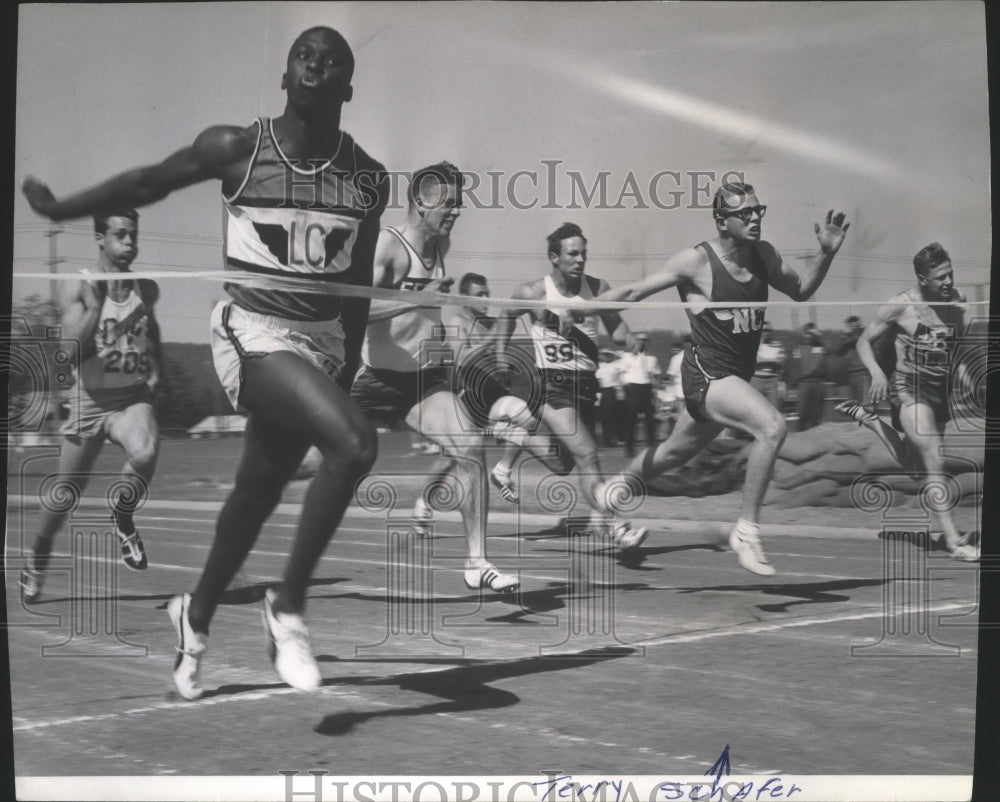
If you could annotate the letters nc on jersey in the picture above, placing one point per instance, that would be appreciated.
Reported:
(300, 219)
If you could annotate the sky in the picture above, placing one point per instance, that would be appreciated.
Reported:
(876, 109)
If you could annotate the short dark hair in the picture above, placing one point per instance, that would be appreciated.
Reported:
(565, 231)
(719, 203)
(335, 34)
(852, 319)
(929, 257)
(443, 172)
(101, 218)
(470, 278)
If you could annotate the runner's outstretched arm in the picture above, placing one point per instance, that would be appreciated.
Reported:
(214, 151)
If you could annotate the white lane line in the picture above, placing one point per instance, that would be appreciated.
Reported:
(666, 526)
(775, 626)
(20, 725)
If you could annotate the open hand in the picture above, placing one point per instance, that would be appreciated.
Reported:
(831, 236)
(39, 196)
(879, 390)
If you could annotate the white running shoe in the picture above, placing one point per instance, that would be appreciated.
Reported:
(490, 577)
(626, 538)
(856, 412)
(504, 483)
(288, 647)
(422, 518)
(750, 553)
(191, 646)
(31, 583)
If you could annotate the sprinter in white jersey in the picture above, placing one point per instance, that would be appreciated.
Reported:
(405, 375)
(566, 356)
(301, 199)
(926, 323)
(111, 317)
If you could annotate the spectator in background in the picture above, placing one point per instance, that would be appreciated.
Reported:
(611, 394)
(768, 378)
(671, 395)
(856, 376)
(812, 371)
(640, 371)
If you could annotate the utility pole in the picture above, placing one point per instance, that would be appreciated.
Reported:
(53, 260)
(53, 399)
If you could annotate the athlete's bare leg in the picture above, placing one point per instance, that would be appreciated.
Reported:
(440, 417)
(731, 401)
(901, 449)
(76, 459)
(137, 432)
(566, 425)
(687, 438)
(292, 405)
(925, 433)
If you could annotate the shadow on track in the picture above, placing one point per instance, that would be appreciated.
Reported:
(806, 592)
(464, 688)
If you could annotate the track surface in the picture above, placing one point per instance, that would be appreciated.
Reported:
(641, 666)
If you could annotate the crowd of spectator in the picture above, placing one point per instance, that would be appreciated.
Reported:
(797, 372)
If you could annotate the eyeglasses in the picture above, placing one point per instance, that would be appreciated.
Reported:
(746, 215)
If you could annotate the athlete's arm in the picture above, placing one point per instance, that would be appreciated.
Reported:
(355, 312)
(81, 303)
(218, 152)
(885, 318)
(786, 279)
(682, 265)
(506, 322)
(391, 261)
(616, 328)
(150, 293)
(962, 381)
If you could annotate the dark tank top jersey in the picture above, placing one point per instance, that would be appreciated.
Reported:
(301, 219)
(730, 336)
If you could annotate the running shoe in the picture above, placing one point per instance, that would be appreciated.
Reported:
(422, 518)
(965, 552)
(750, 553)
(489, 577)
(133, 552)
(505, 485)
(191, 647)
(288, 647)
(31, 582)
(626, 538)
(856, 412)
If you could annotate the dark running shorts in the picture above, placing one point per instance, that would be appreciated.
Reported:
(574, 389)
(387, 396)
(699, 368)
(480, 384)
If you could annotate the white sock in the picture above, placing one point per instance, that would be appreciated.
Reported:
(745, 527)
(502, 470)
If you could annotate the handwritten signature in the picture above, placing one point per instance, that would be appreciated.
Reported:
(562, 786)
(621, 789)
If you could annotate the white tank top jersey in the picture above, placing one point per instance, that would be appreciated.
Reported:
(576, 352)
(123, 347)
(401, 343)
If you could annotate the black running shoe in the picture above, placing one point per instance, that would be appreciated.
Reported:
(133, 552)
